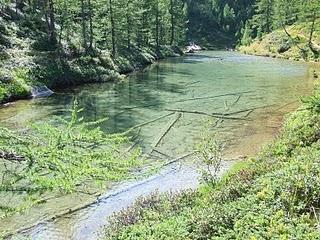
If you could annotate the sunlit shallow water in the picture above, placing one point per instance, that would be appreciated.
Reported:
(271, 86)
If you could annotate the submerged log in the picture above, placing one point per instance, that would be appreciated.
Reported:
(179, 158)
(187, 100)
(220, 116)
(161, 153)
(165, 132)
(152, 121)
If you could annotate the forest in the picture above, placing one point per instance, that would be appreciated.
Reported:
(50, 42)
(115, 125)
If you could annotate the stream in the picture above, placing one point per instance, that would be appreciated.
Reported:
(254, 94)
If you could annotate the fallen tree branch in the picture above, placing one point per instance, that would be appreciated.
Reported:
(171, 124)
(220, 116)
(161, 153)
(236, 101)
(243, 111)
(286, 105)
(128, 150)
(247, 115)
(292, 39)
(179, 158)
(192, 83)
(187, 99)
(152, 121)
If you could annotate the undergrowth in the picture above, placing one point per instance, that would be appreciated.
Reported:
(279, 44)
(275, 195)
(64, 157)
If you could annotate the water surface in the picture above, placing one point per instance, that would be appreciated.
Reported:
(207, 82)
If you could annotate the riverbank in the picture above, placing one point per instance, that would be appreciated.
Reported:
(255, 113)
(273, 195)
(27, 61)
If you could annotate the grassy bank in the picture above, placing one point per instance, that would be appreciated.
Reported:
(275, 195)
(27, 60)
(279, 44)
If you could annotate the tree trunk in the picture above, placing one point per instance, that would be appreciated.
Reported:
(51, 26)
(314, 16)
(128, 25)
(172, 22)
(314, 50)
(90, 26)
(84, 27)
(157, 25)
(113, 33)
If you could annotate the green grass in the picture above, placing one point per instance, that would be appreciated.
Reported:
(275, 195)
(278, 44)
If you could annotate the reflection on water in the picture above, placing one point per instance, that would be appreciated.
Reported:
(270, 85)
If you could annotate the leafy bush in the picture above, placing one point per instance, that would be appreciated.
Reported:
(63, 157)
(14, 86)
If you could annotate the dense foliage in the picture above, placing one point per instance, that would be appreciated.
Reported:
(117, 25)
(273, 196)
(290, 25)
(59, 43)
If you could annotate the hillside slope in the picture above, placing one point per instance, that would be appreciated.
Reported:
(291, 45)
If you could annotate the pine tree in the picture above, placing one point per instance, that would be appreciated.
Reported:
(264, 16)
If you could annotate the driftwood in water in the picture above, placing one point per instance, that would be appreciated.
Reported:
(220, 116)
(191, 83)
(187, 100)
(242, 111)
(249, 112)
(179, 158)
(161, 153)
(226, 115)
(236, 101)
(128, 150)
(168, 128)
(286, 105)
(152, 121)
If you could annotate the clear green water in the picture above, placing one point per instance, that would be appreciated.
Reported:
(161, 86)
(273, 86)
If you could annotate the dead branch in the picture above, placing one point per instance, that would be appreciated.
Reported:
(243, 111)
(161, 153)
(179, 158)
(167, 129)
(220, 116)
(192, 83)
(152, 121)
(132, 146)
(236, 101)
(187, 100)
(292, 39)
